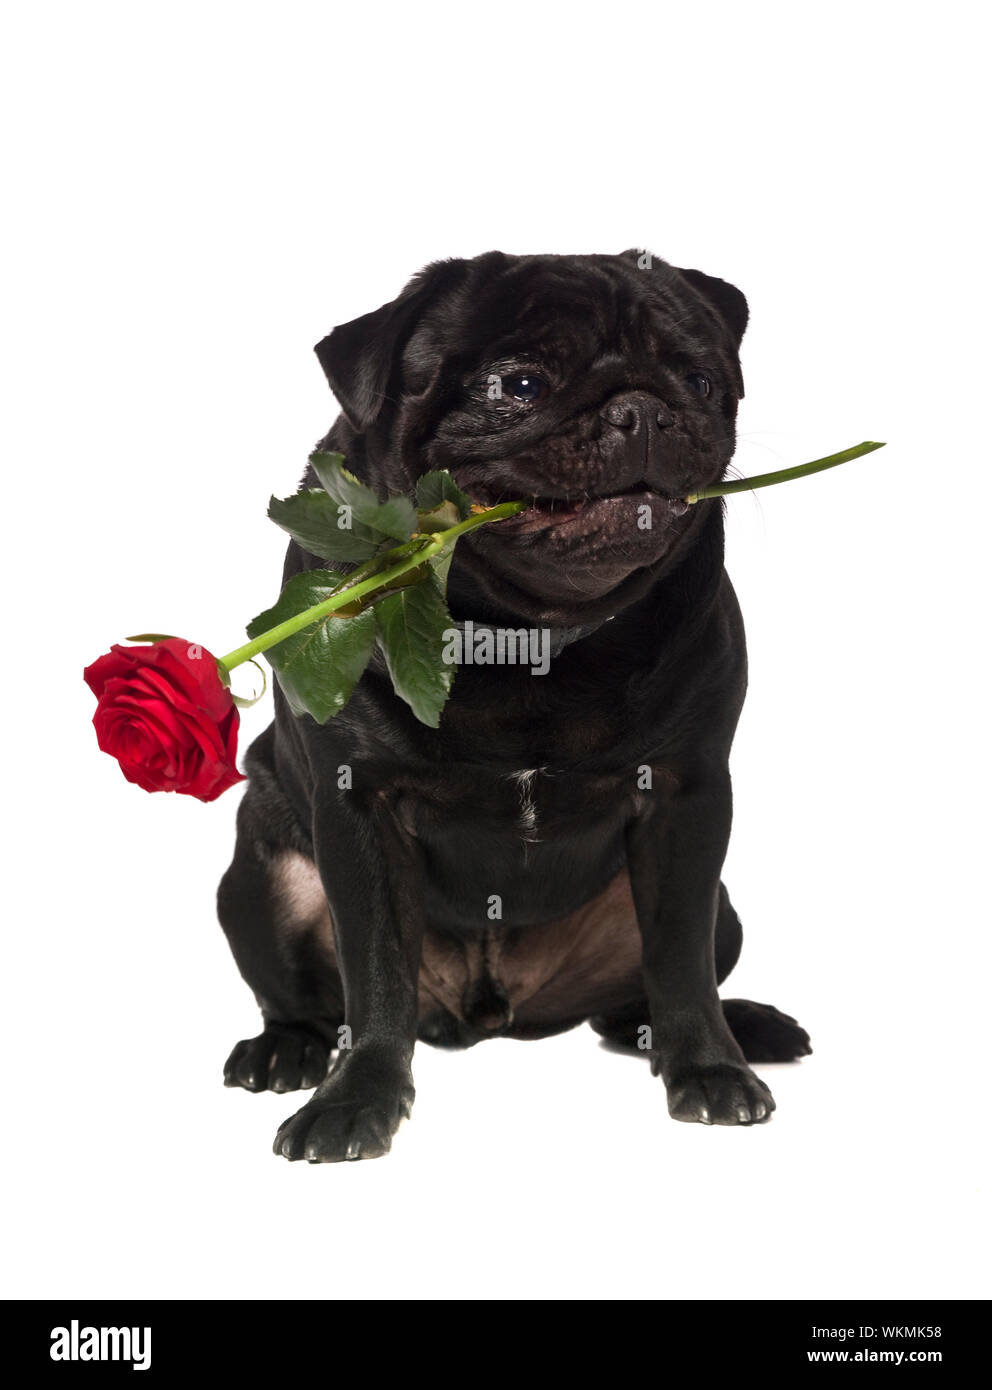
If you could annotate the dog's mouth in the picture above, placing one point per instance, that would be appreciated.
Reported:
(567, 555)
(586, 511)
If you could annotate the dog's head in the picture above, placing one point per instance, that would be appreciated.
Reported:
(604, 388)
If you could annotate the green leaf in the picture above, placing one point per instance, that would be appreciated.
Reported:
(152, 637)
(443, 516)
(434, 490)
(441, 564)
(319, 666)
(396, 517)
(313, 520)
(440, 504)
(411, 627)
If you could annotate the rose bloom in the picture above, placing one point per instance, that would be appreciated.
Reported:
(164, 714)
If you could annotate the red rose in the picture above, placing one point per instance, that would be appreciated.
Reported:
(164, 714)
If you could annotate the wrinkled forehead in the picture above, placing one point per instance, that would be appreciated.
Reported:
(564, 311)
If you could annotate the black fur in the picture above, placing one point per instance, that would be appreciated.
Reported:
(532, 790)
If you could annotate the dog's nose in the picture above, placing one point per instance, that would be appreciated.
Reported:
(636, 411)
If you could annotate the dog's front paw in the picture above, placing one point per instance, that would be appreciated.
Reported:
(352, 1115)
(722, 1094)
(286, 1057)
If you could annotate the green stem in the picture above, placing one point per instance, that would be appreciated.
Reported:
(410, 555)
(784, 475)
(378, 563)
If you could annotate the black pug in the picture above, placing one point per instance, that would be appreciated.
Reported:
(551, 854)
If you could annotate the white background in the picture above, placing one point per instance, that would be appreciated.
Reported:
(196, 194)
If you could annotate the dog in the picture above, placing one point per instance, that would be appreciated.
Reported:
(551, 854)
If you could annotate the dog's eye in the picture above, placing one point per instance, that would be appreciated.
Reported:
(699, 383)
(525, 386)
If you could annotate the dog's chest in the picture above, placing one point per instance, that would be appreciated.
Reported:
(530, 805)
(525, 814)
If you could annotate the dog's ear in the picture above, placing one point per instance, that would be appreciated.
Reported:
(360, 358)
(725, 298)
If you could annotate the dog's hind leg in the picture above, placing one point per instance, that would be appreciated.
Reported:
(729, 936)
(275, 916)
(763, 1033)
